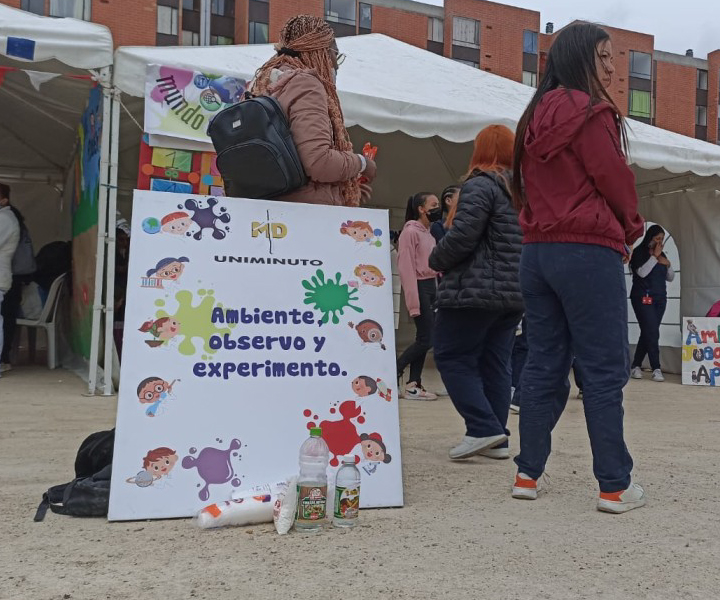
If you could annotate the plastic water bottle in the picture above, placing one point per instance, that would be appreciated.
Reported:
(347, 494)
(312, 483)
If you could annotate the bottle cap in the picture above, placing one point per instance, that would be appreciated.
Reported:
(348, 459)
(315, 432)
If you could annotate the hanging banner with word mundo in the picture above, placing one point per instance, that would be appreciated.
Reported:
(181, 103)
(701, 351)
(253, 321)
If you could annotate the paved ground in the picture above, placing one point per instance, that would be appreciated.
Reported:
(459, 536)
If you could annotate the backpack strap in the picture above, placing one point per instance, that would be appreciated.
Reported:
(54, 495)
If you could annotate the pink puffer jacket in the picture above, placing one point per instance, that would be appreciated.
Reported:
(305, 102)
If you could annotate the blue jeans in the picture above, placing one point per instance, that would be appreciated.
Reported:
(576, 305)
(649, 317)
(472, 353)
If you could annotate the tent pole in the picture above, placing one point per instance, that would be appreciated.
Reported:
(98, 307)
(112, 224)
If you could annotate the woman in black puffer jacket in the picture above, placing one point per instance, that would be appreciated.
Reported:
(479, 300)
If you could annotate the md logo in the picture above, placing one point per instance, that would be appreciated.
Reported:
(275, 231)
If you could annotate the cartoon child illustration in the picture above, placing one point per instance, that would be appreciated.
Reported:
(163, 330)
(365, 386)
(157, 464)
(176, 223)
(370, 332)
(153, 391)
(361, 231)
(367, 275)
(168, 269)
(373, 451)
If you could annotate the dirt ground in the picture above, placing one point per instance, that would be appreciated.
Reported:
(460, 534)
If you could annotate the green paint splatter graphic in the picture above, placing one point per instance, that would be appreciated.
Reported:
(329, 297)
(195, 321)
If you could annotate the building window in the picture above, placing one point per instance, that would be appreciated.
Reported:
(466, 32)
(167, 20)
(436, 28)
(76, 9)
(258, 33)
(223, 8)
(221, 40)
(340, 11)
(701, 116)
(640, 65)
(365, 16)
(702, 79)
(639, 104)
(190, 4)
(469, 63)
(190, 38)
(529, 78)
(530, 42)
(33, 6)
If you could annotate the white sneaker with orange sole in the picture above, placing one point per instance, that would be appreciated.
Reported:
(622, 501)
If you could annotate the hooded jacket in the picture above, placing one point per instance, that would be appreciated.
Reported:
(479, 255)
(414, 247)
(304, 100)
(578, 185)
(9, 238)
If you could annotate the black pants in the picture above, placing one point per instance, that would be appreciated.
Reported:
(424, 325)
(10, 310)
(473, 350)
(649, 317)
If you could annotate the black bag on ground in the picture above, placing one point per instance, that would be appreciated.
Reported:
(256, 155)
(87, 495)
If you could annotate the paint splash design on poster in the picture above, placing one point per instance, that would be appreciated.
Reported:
(214, 466)
(196, 319)
(329, 296)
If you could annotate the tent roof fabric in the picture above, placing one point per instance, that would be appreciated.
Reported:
(75, 43)
(386, 85)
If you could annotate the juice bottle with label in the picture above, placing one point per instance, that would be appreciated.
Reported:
(312, 483)
(347, 494)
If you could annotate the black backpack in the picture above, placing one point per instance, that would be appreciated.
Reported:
(256, 155)
(88, 495)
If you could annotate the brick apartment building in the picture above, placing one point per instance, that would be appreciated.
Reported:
(680, 93)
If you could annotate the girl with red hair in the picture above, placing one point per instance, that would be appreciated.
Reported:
(479, 303)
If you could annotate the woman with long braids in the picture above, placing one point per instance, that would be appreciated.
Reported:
(301, 77)
(579, 215)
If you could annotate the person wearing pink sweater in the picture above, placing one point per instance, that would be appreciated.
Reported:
(419, 287)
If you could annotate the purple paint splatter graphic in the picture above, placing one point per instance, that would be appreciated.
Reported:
(214, 467)
(206, 218)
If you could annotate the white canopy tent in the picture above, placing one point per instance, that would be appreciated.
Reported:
(423, 111)
(47, 68)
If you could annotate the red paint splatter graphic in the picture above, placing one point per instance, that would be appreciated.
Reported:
(361, 420)
(307, 412)
(332, 411)
(341, 436)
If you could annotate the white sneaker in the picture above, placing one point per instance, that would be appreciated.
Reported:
(515, 409)
(5, 367)
(525, 488)
(636, 373)
(621, 502)
(470, 446)
(418, 392)
(442, 392)
(658, 376)
(496, 453)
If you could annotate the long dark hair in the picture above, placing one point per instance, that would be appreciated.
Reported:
(413, 203)
(641, 254)
(570, 64)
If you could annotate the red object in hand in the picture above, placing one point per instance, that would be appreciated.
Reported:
(369, 152)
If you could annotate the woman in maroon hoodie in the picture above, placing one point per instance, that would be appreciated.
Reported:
(419, 287)
(579, 218)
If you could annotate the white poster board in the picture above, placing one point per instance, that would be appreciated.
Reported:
(247, 322)
(701, 351)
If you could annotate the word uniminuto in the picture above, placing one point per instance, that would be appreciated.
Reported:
(269, 261)
(269, 369)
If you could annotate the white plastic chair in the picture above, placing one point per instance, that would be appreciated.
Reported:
(47, 322)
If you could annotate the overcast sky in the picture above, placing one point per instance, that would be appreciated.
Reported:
(676, 24)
